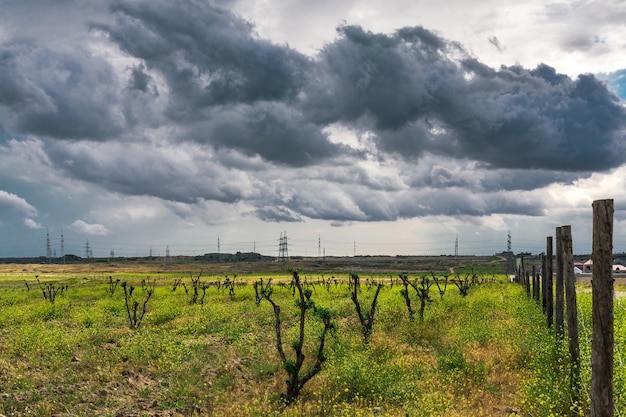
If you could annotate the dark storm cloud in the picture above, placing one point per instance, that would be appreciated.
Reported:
(18, 91)
(208, 55)
(525, 180)
(141, 81)
(61, 94)
(420, 94)
(271, 130)
(358, 203)
(197, 107)
(226, 87)
(277, 213)
(416, 92)
(364, 74)
(144, 169)
(460, 202)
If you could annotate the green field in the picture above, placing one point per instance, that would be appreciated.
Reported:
(485, 354)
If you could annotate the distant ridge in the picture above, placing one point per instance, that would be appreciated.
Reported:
(207, 257)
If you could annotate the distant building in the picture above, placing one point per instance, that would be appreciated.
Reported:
(588, 267)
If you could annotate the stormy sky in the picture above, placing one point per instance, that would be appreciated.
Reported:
(363, 128)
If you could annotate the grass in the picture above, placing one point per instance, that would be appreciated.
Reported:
(481, 355)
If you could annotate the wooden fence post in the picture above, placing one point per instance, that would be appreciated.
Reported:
(535, 284)
(549, 278)
(602, 339)
(544, 296)
(560, 298)
(522, 272)
(572, 310)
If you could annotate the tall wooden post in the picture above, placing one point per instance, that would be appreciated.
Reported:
(559, 311)
(535, 284)
(602, 339)
(572, 310)
(544, 296)
(522, 271)
(549, 291)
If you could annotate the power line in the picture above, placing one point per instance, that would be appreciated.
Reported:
(16, 246)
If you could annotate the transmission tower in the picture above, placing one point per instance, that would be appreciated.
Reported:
(319, 246)
(62, 247)
(48, 249)
(283, 251)
(167, 253)
(508, 242)
(456, 246)
(218, 244)
(510, 261)
(87, 249)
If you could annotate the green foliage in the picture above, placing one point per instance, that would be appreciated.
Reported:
(547, 388)
(619, 376)
(39, 341)
(470, 355)
(454, 366)
(371, 373)
(584, 302)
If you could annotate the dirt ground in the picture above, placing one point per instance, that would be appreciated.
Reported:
(359, 264)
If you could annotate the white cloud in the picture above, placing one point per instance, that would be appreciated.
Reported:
(82, 227)
(17, 203)
(32, 224)
(528, 32)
